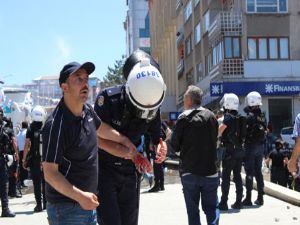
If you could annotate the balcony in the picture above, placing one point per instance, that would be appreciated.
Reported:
(225, 24)
(178, 6)
(228, 68)
(180, 68)
(180, 101)
(179, 36)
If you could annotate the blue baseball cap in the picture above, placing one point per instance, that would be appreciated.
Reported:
(72, 67)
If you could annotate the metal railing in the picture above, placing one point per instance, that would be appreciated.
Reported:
(225, 24)
(180, 67)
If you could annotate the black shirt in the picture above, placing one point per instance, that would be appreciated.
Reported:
(195, 136)
(277, 158)
(71, 142)
(32, 132)
(111, 107)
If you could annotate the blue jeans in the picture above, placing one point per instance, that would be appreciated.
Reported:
(70, 214)
(198, 187)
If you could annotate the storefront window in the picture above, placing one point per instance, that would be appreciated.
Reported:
(252, 48)
(284, 48)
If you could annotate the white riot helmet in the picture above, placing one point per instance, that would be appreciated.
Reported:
(38, 114)
(253, 99)
(9, 160)
(230, 101)
(145, 87)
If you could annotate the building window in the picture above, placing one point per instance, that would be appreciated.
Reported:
(197, 33)
(188, 10)
(262, 49)
(267, 6)
(268, 48)
(196, 2)
(188, 45)
(232, 47)
(284, 48)
(199, 72)
(206, 21)
(190, 78)
(252, 48)
(215, 57)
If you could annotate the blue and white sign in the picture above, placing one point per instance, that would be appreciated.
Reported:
(271, 88)
(173, 116)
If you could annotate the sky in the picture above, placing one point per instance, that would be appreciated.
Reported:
(38, 37)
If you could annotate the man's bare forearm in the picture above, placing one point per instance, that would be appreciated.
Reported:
(59, 182)
(296, 151)
(107, 132)
(113, 148)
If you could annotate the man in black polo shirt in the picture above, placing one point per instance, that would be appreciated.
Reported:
(70, 151)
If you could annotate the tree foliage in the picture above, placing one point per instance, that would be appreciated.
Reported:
(114, 75)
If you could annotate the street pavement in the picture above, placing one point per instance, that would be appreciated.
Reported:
(168, 208)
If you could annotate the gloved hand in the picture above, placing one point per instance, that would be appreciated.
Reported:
(161, 151)
(142, 164)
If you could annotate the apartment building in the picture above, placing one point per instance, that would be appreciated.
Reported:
(232, 46)
(45, 90)
(137, 26)
(163, 49)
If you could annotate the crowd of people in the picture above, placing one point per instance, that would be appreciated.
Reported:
(110, 146)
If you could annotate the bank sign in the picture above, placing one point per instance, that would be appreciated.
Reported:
(276, 88)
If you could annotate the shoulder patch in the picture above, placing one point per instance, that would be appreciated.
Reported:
(100, 100)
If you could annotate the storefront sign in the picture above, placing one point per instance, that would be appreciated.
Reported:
(272, 88)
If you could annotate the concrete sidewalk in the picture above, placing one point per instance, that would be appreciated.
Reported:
(168, 208)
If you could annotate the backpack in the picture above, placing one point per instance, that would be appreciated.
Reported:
(258, 130)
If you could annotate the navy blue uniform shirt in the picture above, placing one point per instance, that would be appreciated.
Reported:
(111, 108)
(71, 142)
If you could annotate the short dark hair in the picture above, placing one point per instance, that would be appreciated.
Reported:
(195, 93)
(24, 124)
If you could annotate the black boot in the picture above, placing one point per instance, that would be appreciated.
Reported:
(223, 205)
(247, 201)
(237, 205)
(38, 208)
(7, 213)
(155, 188)
(259, 200)
(162, 187)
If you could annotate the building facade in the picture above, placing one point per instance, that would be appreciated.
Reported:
(137, 26)
(231, 46)
(163, 49)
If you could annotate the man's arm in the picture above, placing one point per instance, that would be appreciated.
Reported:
(25, 152)
(105, 131)
(87, 200)
(177, 135)
(15, 147)
(292, 164)
(116, 149)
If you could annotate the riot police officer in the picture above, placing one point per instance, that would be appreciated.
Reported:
(32, 156)
(232, 138)
(254, 147)
(132, 109)
(4, 140)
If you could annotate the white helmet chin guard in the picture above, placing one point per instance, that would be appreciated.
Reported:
(145, 87)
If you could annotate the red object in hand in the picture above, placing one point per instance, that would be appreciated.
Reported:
(142, 164)
(161, 151)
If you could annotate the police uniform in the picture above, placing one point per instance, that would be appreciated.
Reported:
(4, 175)
(232, 160)
(118, 178)
(254, 153)
(33, 134)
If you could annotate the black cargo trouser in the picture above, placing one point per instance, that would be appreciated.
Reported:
(38, 182)
(231, 164)
(118, 194)
(3, 183)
